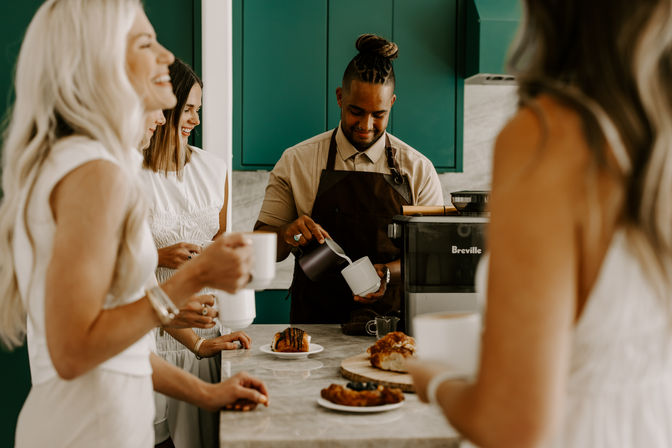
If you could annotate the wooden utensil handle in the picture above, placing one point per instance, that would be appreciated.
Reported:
(428, 210)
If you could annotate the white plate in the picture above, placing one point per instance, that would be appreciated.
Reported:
(314, 348)
(363, 409)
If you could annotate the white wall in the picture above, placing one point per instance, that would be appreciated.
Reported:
(217, 56)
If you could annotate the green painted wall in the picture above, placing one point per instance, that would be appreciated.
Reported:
(272, 306)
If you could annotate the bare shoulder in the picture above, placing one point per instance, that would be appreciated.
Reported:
(542, 146)
(99, 187)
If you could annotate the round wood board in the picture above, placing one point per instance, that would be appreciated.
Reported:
(358, 368)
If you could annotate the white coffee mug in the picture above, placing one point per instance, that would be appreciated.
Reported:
(453, 338)
(236, 311)
(264, 247)
(361, 277)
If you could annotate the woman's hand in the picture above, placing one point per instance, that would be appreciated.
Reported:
(226, 263)
(210, 347)
(422, 372)
(241, 392)
(197, 313)
(174, 256)
(375, 296)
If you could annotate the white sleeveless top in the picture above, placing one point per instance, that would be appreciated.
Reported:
(187, 209)
(31, 267)
(619, 392)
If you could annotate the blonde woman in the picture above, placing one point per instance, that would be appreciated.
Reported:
(577, 347)
(78, 258)
(187, 209)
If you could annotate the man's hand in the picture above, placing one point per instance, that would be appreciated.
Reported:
(375, 296)
(303, 230)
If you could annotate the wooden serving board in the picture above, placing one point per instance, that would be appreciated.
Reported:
(358, 368)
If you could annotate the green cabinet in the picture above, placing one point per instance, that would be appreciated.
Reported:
(289, 58)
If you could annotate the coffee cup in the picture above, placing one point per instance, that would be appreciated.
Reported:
(238, 310)
(382, 325)
(264, 247)
(452, 338)
(362, 277)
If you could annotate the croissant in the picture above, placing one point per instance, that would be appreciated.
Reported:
(291, 340)
(347, 397)
(391, 352)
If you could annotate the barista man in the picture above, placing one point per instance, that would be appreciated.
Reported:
(347, 184)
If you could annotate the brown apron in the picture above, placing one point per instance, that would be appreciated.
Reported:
(355, 208)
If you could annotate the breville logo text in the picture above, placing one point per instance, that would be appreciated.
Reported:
(471, 250)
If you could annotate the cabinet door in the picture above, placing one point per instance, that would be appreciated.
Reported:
(428, 111)
(279, 77)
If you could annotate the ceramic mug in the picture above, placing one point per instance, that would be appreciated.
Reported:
(236, 311)
(362, 277)
(453, 338)
(264, 249)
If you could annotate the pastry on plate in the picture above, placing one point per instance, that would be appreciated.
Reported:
(392, 351)
(378, 396)
(291, 340)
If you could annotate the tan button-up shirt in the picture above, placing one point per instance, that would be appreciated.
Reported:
(293, 183)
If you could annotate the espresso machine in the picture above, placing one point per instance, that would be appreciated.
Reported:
(440, 251)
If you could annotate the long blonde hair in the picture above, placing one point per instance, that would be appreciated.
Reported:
(616, 55)
(70, 80)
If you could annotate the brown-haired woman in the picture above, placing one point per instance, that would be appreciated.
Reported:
(188, 200)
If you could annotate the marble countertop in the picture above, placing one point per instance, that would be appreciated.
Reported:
(294, 419)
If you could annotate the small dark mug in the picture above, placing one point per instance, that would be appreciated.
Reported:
(318, 260)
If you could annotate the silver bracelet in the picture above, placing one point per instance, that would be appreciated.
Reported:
(436, 381)
(197, 347)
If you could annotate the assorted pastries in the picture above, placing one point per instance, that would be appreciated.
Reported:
(375, 395)
(292, 340)
(392, 351)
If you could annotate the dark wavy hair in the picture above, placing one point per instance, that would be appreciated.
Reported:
(165, 148)
(612, 58)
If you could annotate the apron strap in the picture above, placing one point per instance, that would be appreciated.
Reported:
(392, 164)
(390, 152)
(331, 159)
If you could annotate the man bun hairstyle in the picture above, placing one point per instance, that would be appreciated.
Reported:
(373, 63)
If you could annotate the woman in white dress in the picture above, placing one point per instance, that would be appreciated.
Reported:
(188, 200)
(577, 342)
(78, 260)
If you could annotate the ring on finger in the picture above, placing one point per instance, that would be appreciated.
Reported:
(204, 311)
(297, 237)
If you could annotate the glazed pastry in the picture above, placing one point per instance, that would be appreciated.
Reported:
(291, 340)
(348, 397)
(391, 352)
